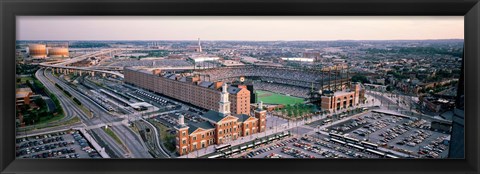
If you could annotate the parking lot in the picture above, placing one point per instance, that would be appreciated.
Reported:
(306, 147)
(171, 119)
(406, 135)
(64, 144)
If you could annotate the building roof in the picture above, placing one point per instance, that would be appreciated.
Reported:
(242, 117)
(213, 115)
(23, 92)
(183, 79)
(173, 77)
(27, 89)
(233, 90)
(341, 93)
(204, 125)
(205, 84)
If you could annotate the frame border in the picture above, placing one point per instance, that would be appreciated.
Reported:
(468, 8)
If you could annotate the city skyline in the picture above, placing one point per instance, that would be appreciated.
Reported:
(240, 28)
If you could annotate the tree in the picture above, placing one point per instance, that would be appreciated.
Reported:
(359, 78)
(389, 88)
(40, 102)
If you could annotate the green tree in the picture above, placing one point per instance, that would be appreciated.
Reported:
(359, 78)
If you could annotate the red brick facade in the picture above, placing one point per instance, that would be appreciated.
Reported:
(188, 91)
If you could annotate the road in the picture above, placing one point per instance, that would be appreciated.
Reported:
(71, 110)
(157, 139)
(132, 141)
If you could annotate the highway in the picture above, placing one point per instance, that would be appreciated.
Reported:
(64, 64)
(133, 142)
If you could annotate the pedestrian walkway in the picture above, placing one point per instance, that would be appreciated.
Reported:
(96, 146)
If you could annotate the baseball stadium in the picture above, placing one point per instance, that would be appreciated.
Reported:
(280, 85)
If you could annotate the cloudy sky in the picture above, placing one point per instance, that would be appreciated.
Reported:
(238, 28)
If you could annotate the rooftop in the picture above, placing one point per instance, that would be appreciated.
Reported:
(204, 125)
(242, 117)
(213, 116)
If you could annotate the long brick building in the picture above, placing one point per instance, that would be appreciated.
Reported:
(189, 89)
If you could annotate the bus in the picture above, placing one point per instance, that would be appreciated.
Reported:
(327, 121)
(337, 136)
(376, 152)
(337, 141)
(222, 147)
(243, 147)
(391, 156)
(216, 156)
(369, 145)
(356, 146)
(351, 140)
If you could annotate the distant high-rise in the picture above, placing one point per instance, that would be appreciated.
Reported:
(199, 46)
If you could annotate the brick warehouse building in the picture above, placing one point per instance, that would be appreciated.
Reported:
(220, 127)
(189, 89)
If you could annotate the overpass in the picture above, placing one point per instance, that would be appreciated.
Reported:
(61, 66)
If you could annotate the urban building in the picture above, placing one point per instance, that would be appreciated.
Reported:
(336, 100)
(189, 89)
(221, 127)
(23, 96)
(196, 48)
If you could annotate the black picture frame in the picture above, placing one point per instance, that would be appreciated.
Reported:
(11, 8)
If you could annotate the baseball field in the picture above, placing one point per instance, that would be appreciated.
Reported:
(275, 98)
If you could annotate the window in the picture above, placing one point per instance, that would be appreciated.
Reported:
(183, 133)
(203, 136)
(184, 142)
(194, 138)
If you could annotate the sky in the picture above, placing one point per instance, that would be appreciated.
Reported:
(251, 28)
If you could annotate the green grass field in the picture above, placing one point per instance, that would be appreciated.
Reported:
(274, 98)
